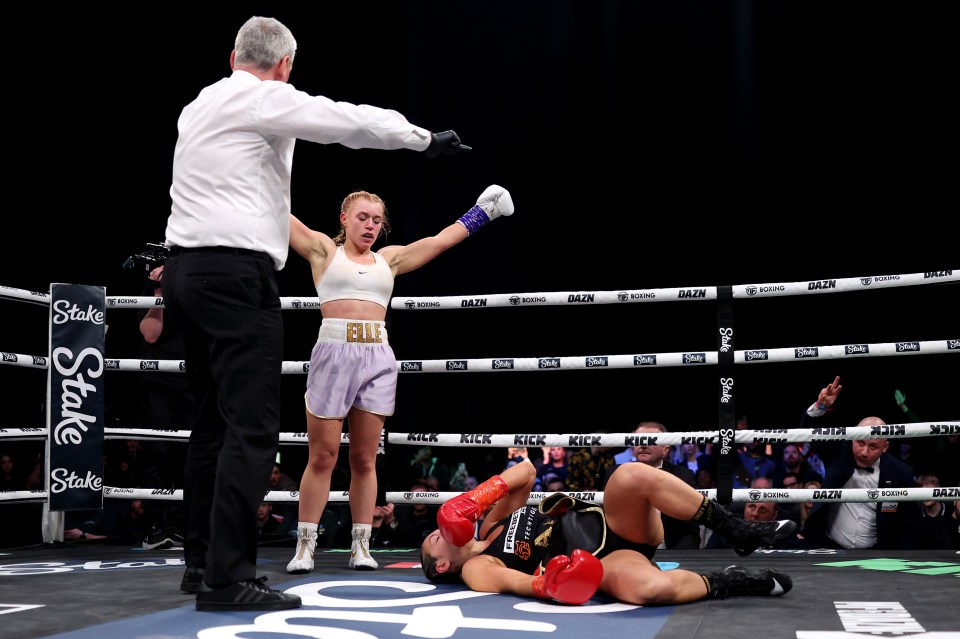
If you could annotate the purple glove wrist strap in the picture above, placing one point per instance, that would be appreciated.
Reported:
(473, 219)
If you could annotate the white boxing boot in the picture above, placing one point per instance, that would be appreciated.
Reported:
(360, 558)
(302, 561)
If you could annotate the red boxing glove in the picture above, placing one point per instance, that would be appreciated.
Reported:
(457, 516)
(570, 580)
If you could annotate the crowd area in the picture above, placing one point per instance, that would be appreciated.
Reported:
(899, 462)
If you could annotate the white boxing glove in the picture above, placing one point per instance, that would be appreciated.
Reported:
(495, 201)
(492, 203)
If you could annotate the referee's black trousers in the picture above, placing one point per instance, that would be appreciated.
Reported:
(226, 305)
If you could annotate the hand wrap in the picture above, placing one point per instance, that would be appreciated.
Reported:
(492, 203)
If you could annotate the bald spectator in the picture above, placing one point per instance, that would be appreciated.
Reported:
(861, 463)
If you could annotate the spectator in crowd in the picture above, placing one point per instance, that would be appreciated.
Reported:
(552, 482)
(677, 533)
(754, 459)
(271, 525)
(92, 525)
(426, 464)
(757, 511)
(903, 450)
(705, 479)
(20, 523)
(9, 478)
(385, 531)
(690, 455)
(934, 524)
(133, 523)
(416, 520)
(588, 466)
(806, 507)
(35, 474)
(861, 463)
(542, 459)
(792, 460)
(331, 529)
(124, 463)
(282, 482)
(166, 403)
(556, 465)
(789, 509)
(933, 454)
(515, 455)
(459, 478)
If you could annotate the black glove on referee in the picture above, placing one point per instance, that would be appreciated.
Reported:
(445, 142)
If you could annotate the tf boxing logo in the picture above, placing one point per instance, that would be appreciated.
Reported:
(753, 289)
(516, 300)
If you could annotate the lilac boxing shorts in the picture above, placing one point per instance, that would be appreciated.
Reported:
(352, 365)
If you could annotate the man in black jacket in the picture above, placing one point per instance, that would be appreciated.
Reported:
(676, 533)
(861, 463)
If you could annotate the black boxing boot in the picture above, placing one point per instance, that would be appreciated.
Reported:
(736, 581)
(746, 536)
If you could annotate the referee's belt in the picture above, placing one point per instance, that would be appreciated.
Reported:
(223, 250)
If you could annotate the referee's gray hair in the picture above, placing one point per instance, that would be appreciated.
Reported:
(262, 42)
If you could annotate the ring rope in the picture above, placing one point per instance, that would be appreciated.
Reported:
(778, 495)
(743, 436)
(581, 362)
(577, 298)
(156, 434)
(613, 440)
(740, 291)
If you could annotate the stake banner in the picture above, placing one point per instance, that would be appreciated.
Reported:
(727, 458)
(75, 414)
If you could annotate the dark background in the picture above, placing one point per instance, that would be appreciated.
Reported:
(646, 145)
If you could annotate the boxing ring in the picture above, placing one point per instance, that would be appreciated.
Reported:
(931, 597)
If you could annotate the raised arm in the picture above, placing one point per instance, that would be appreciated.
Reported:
(313, 246)
(519, 479)
(495, 201)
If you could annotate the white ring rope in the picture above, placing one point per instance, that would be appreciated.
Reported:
(742, 495)
(155, 434)
(556, 363)
(582, 362)
(621, 440)
(778, 495)
(742, 291)
(613, 440)
(578, 298)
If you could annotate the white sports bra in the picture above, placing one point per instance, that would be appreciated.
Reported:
(345, 279)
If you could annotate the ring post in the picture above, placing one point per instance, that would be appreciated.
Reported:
(75, 408)
(726, 461)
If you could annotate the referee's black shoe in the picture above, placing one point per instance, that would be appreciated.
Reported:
(252, 594)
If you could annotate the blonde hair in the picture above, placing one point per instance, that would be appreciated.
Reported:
(348, 201)
(806, 506)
